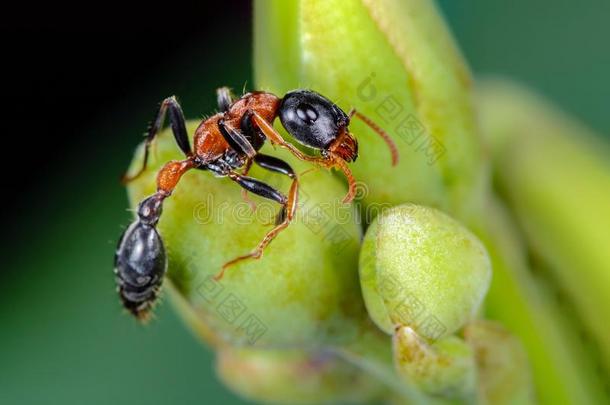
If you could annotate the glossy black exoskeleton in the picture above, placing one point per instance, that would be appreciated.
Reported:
(312, 119)
(140, 261)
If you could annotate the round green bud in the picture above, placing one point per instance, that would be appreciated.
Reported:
(421, 268)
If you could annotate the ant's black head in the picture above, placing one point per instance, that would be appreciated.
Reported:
(312, 119)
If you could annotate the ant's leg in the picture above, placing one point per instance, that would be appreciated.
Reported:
(177, 122)
(270, 163)
(236, 139)
(224, 98)
(247, 167)
(341, 164)
(331, 161)
(289, 205)
(279, 166)
(274, 164)
(276, 139)
(258, 187)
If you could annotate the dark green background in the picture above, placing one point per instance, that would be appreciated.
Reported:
(63, 336)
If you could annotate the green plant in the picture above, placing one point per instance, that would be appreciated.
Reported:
(293, 326)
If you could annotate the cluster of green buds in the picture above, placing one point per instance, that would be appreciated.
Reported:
(424, 277)
(419, 292)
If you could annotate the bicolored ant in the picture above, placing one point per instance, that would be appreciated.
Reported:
(225, 142)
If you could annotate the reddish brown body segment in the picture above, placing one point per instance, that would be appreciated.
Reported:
(209, 142)
(170, 174)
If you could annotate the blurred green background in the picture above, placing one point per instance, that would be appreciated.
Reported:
(63, 336)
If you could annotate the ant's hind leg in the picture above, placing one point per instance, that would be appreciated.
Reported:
(177, 122)
(289, 205)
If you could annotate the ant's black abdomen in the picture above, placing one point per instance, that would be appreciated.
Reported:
(140, 262)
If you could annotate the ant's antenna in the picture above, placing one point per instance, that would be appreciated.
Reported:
(384, 135)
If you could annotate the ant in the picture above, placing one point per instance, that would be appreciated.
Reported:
(225, 142)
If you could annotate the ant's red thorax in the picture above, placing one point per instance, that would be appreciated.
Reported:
(209, 142)
(265, 104)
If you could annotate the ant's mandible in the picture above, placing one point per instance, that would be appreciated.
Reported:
(228, 141)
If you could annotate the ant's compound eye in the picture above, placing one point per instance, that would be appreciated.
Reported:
(312, 119)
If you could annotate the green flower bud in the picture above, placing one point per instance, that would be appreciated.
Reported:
(444, 368)
(294, 377)
(304, 290)
(422, 269)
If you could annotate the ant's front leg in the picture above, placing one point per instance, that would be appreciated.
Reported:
(177, 122)
(289, 205)
(276, 139)
(140, 261)
(329, 161)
